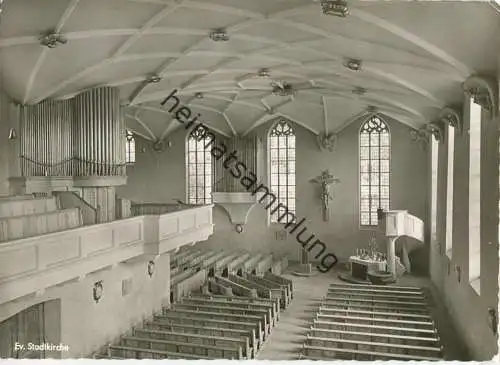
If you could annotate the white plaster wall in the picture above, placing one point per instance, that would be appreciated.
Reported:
(467, 308)
(160, 177)
(113, 315)
(8, 148)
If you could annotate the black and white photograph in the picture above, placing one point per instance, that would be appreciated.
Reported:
(297, 180)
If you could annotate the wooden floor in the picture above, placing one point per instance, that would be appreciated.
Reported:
(286, 341)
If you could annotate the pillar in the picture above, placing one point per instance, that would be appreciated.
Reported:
(391, 255)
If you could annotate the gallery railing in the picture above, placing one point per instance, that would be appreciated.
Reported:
(70, 167)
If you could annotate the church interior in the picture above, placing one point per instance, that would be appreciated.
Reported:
(265, 179)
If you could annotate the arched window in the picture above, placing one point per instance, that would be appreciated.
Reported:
(374, 154)
(434, 188)
(449, 190)
(199, 168)
(475, 195)
(281, 149)
(130, 147)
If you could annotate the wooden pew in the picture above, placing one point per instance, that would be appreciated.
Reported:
(217, 288)
(191, 283)
(184, 258)
(256, 320)
(377, 337)
(384, 287)
(382, 296)
(388, 303)
(236, 263)
(212, 260)
(264, 265)
(237, 288)
(376, 321)
(326, 353)
(170, 317)
(419, 351)
(274, 303)
(346, 304)
(222, 263)
(26, 205)
(247, 337)
(355, 327)
(261, 291)
(225, 342)
(18, 227)
(265, 314)
(382, 290)
(286, 296)
(129, 352)
(250, 264)
(279, 265)
(371, 314)
(280, 280)
(235, 303)
(213, 352)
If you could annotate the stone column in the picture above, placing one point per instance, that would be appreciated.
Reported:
(391, 256)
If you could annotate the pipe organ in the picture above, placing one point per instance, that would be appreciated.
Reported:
(249, 152)
(99, 133)
(82, 138)
(46, 139)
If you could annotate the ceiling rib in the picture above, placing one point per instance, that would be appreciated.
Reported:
(67, 13)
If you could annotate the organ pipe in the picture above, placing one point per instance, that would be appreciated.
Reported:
(74, 137)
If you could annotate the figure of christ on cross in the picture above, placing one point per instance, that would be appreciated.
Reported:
(325, 180)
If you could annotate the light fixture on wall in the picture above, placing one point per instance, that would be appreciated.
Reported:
(97, 291)
(151, 268)
(12, 134)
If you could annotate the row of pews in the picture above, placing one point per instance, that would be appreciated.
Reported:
(227, 307)
(28, 216)
(370, 322)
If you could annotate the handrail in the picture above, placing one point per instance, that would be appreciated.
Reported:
(89, 213)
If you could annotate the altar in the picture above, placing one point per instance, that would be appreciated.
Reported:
(361, 266)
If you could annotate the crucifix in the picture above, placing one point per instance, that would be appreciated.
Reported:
(325, 180)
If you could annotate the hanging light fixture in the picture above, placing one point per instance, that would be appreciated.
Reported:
(335, 7)
(12, 134)
(52, 40)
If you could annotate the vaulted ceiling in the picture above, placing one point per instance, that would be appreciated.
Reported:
(414, 57)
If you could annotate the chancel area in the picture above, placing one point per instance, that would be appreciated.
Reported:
(265, 179)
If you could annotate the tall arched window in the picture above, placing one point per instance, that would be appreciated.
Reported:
(374, 155)
(130, 147)
(199, 168)
(449, 190)
(475, 195)
(281, 149)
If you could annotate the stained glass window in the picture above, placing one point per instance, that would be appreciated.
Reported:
(281, 148)
(199, 168)
(374, 153)
(130, 147)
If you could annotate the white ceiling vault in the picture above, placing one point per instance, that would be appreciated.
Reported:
(414, 57)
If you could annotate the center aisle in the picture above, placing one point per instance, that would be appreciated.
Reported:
(288, 336)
